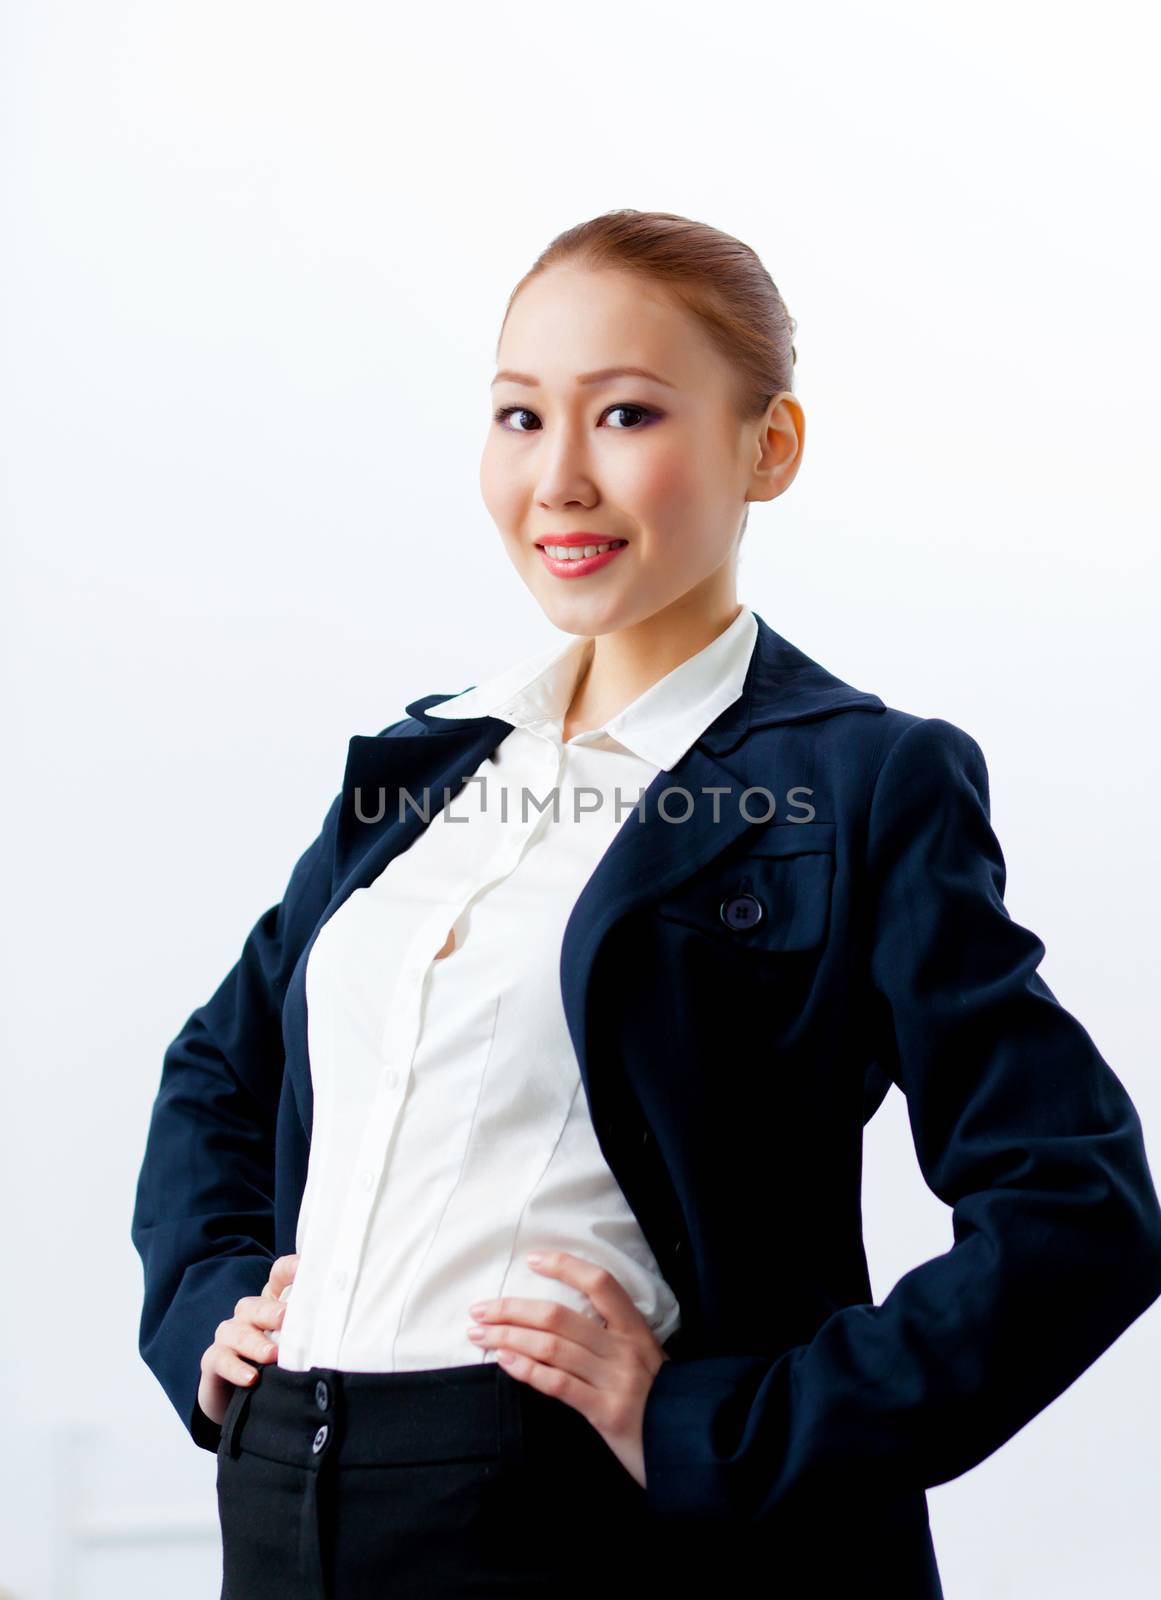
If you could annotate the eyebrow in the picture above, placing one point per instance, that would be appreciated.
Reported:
(602, 376)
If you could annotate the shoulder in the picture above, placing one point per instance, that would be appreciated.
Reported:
(893, 744)
(872, 763)
(914, 748)
(927, 800)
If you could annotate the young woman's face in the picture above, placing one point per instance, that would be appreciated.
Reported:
(663, 463)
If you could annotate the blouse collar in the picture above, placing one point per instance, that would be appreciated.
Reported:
(659, 725)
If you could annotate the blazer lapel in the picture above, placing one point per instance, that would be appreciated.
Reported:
(372, 829)
(649, 855)
(430, 767)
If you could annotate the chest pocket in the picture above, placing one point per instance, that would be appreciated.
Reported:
(775, 898)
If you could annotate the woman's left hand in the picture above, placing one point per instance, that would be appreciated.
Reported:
(603, 1370)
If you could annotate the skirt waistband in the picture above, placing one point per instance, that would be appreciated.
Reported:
(465, 1413)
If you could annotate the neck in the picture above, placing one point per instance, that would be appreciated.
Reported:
(622, 665)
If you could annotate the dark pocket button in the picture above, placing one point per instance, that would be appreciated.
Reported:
(742, 911)
(322, 1395)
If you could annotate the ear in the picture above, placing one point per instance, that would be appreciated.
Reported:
(782, 433)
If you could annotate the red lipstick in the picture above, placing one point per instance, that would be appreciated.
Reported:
(578, 566)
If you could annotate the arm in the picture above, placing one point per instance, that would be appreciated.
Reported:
(1019, 1126)
(203, 1220)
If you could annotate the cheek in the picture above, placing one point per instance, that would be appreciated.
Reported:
(667, 491)
(503, 486)
(495, 484)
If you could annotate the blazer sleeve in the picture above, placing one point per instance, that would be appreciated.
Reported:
(1019, 1126)
(203, 1219)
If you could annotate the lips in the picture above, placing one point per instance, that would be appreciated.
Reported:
(579, 566)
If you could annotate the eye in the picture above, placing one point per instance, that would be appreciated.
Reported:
(514, 411)
(640, 411)
(505, 412)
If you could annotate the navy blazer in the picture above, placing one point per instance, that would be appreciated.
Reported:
(741, 990)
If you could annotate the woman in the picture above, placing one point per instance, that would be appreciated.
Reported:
(704, 904)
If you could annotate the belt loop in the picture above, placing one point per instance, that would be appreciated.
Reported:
(238, 1404)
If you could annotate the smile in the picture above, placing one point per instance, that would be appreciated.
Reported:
(587, 558)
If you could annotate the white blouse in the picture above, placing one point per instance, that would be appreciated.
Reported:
(451, 1129)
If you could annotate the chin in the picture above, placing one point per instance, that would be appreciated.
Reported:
(585, 620)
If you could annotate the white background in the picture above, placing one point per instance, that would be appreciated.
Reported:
(254, 262)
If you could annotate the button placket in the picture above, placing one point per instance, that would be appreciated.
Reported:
(400, 1037)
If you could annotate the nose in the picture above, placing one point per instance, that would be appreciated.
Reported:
(564, 476)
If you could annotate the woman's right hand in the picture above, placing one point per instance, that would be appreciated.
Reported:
(245, 1334)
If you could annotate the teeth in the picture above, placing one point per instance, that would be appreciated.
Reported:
(560, 552)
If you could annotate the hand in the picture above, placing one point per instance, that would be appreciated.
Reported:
(602, 1369)
(244, 1334)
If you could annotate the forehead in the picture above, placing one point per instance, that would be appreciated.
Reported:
(571, 320)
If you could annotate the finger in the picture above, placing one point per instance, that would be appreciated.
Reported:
(560, 1381)
(233, 1351)
(247, 1339)
(545, 1314)
(553, 1350)
(260, 1312)
(261, 1319)
(281, 1273)
(221, 1366)
(608, 1296)
(229, 1365)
